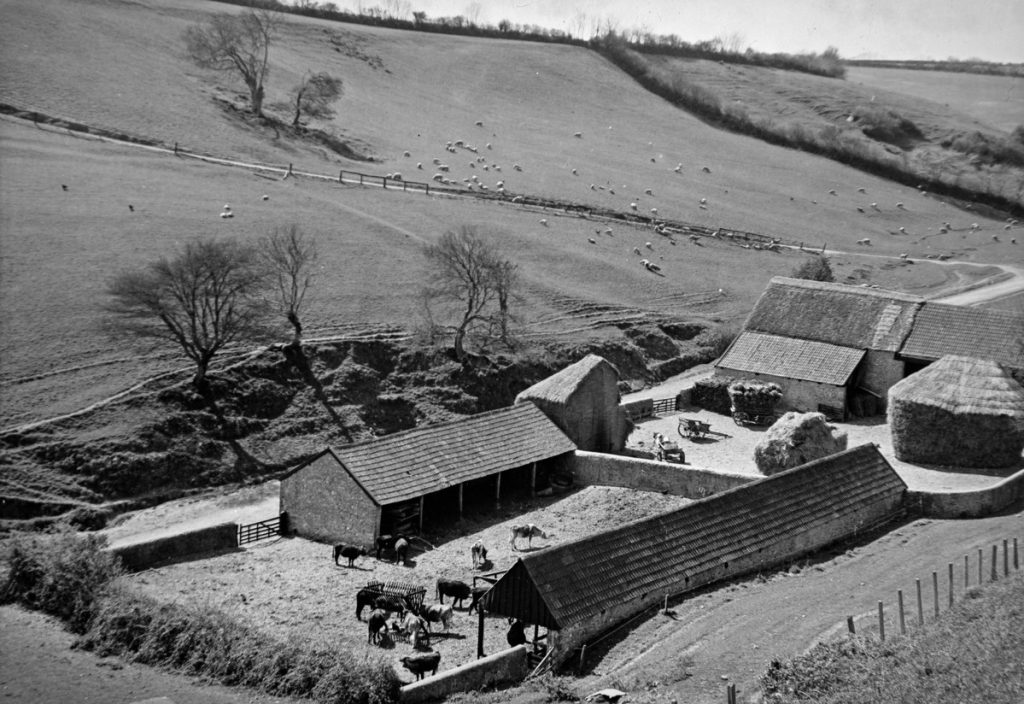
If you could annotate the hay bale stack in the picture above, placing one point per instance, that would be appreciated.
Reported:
(795, 439)
(958, 412)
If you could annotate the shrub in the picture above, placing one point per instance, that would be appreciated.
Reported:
(816, 268)
(715, 341)
(60, 574)
(887, 125)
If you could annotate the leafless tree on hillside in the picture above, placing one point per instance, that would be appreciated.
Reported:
(237, 44)
(468, 278)
(290, 260)
(313, 96)
(205, 297)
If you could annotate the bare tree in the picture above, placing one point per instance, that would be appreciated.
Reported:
(289, 258)
(506, 283)
(467, 279)
(472, 13)
(207, 296)
(313, 96)
(236, 44)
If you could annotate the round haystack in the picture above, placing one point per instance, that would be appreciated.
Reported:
(958, 412)
(796, 439)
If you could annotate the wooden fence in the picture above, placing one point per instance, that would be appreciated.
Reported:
(261, 530)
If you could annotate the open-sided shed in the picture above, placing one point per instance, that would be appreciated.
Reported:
(392, 484)
(579, 589)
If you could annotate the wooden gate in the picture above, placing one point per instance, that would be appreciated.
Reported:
(252, 532)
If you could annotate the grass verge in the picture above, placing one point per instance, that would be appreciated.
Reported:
(75, 579)
(971, 655)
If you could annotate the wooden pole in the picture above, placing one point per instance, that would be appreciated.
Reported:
(1006, 558)
(583, 655)
(921, 606)
(849, 625)
(995, 560)
(881, 621)
(664, 604)
(1016, 564)
(899, 599)
(460, 500)
(421, 514)
(480, 630)
(981, 571)
(950, 585)
(966, 571)
(533, 479)
(497, 492)
(340, 174)
(935, 591)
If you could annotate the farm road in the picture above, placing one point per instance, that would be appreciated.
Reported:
(732, 633)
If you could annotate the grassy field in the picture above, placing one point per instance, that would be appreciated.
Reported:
(996, 101)
(120, 67)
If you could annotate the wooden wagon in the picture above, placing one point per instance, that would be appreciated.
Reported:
(692, 429)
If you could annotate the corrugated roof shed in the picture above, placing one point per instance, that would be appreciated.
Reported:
(416, 462)
(941, 329)
(849, 316)
(791, 358)
(560, 386)
(579, 579)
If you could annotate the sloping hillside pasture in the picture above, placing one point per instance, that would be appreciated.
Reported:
(407, 91)
(996, 101)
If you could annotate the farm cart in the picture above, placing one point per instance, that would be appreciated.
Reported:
(667, 450)
(693, 429)
(753, 402)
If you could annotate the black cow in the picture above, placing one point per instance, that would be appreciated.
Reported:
(396, 544)
(475, 597)
(378, 620)
(458, 591)
(373, 599)
(349, 552)
(422, 663)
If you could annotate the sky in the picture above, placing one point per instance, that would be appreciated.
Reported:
(992, 30)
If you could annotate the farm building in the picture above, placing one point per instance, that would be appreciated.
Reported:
(940, 329)
(844, 320)
(959, 411)
(583, 400)
(393, 484)
(580, 589)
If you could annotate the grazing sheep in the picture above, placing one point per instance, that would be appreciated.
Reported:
(633, 206)
(832, 192)
(575, 173)
(648, 245)
(544, 222)
(517, 199)
(436, 161)
(406, 154)
(654, 211)
(517, 167)
(591, 240)
(903, 256)
(705, 169)
(422, 663)
(861, 190)
(608, 231)
(903, 230)
(479, 123)
(648, 191)
(419, 164)
(860, 210)
(995, 238)
(899, 205)
(974, 225)
(488, 145)
(64, 187)
(875, 206)
(396, 176)
(578, 135)
(437, 177)
(443, 167)
(636, 251)
(694, 238)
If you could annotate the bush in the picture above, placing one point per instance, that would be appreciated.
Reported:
(887, 125)
(59, 574)
(715, 341)
(816, 268)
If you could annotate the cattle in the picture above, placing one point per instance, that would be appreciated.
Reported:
(349, 552)
(395, 544)
(516, 633)
(479, 554)
(458, 591)
(437, 613)
(528, 531)
(422, 663)
(372, 598)
(476, 595)
(378, 620)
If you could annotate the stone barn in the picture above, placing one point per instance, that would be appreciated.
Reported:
(959, 411)
(847, 322)
(395, 484)
(580, 589)
(583, 400)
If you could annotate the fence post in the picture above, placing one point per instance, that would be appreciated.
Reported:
(881, 621)
(341, 173)
(583, 654)
(849, 625)
(360, 179)
(921, 608)
(951, 585)
(966, 571)
(1006, 559)
(935, 591)
(981, 572)
(1016, 564)
(899, 599)
(995, 561)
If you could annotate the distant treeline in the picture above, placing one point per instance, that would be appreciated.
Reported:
(828, 63)
(955, 66)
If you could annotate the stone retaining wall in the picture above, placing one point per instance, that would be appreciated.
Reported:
(968, 504)
(508, 666)
(144, 554)
(597, 469)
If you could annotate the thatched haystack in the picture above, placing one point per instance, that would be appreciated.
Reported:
(583, 401)
(958, 412)
(795, 439)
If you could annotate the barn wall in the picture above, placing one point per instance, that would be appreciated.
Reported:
(797, 395)
(592, 415)
(880, 371)
(324, 503)
(799, 539)
(598, 469)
